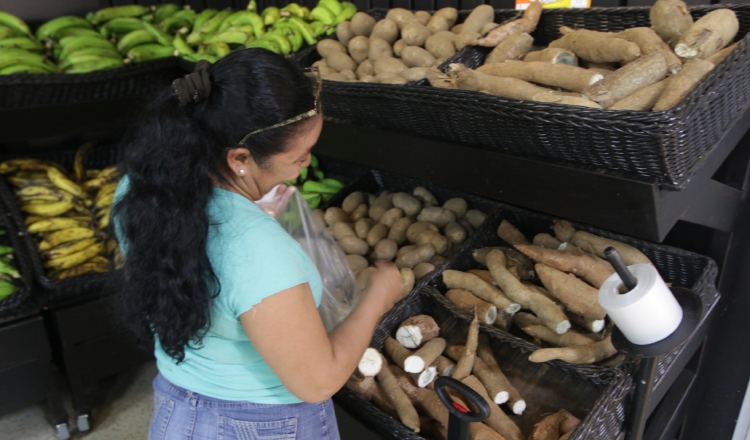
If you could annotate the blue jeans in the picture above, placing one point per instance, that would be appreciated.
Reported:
(180, 414)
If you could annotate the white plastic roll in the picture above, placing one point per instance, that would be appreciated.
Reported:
(648, 313)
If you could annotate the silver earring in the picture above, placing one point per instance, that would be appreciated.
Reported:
(241, 171)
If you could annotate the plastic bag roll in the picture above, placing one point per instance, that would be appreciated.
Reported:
(648, 313)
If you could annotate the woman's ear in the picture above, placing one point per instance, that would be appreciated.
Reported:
(239, 160)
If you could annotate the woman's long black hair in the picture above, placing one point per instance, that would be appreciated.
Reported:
(175, 156)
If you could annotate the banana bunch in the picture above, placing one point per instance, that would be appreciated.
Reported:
(67, 214)
(313, 184)
(9, 276)
(20, 50)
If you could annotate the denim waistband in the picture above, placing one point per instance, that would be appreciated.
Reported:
(176, 392)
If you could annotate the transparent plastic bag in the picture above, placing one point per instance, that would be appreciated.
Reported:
(340, 290)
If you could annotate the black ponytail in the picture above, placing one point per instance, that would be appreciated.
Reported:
(176, 154)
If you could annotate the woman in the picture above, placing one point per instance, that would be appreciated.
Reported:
(228, 296)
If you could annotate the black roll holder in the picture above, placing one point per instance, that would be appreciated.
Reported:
(460, 418)
(648, 355)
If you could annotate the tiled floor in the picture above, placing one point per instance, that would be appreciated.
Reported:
(122, 411)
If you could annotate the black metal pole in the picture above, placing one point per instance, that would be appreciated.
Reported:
(457, 428)
(641, 398)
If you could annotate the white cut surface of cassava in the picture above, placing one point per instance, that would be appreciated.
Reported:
(371, 362)
(414, 364)
(519, 407)
(427, 376)
(501, 397)
(410, 336)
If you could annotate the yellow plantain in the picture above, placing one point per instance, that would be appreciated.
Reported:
(69, 248)
(59, 237)
(76, 258)
(83, 269)
(119, 260)
(99, 259)
(49, 209)
(61, 181)
(22, 182)
(54, 224)
(79, 162)
(92, 173)
(33, 219)
(106, 176)
(111, 246)
(105, 200)
(26, 164)
(40, 190)
(40, 199)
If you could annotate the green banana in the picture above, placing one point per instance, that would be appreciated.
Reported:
(104, 15)
(23, 43)
(50, 28)
(159, 35)
(246, 28)
(87, 55)
(6, 289)
(230, 20)
(5, 250)
(213, 24)
(229, 37)
(204, 16)
(332, 5)
(313, 200)
(311, 186)
(148, 17)
(318, 174)
(147, 52)
(133, 39)
(165, 11)
(271, 15)
(24, 68)
(252, 6)
(6, 32)
(303, 173)
(195, 57)
(182, 19)
(314, 163)
(347, 12)
(304, 29)
(15, 23)
(333, 182)
(40, 64)
(98, 64)
(21, 57)
(9, 270)
(78, 43)
(319, 28)
(181, 46)
(264, 43)
(219, 49)
(291, 33)
(321, 13)
(65, 41)
(284, 45)
(123, 25)
(75, 32)
(292, 9)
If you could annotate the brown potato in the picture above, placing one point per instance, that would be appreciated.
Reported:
(404, 249)
(441, 243)
(464, 38)
(359, 213)
(398, 47)
(456, 233)
(380, 205)
(422, 17)
(327, 46)
(341, 61)
(389, 78)
(362, 24)
(368, 79)
(443, 20)
(385, 250)
(392, 66)
(457, 28)
(400, 16)
(366, 68)
(410, 205)
(415, 73)
(421, 270)
(344, 32)
(379, 49)
(415, 34)
(390, 216)
(414, 56)
(335, 77)
(341, 230)
(413, 231)
(437, 260)
(441, 45)
(419, 255)
(398, 230)
(458, 206)
(352, 201)
(386, 29)
(353, 245)
(362, 227)
(407, 281)
(351, 76)
(475, 217)
(480, 16)
(359, 48)
(357, 262)
(377, 233)
(335, 215)
(425, 196)
(439, 216)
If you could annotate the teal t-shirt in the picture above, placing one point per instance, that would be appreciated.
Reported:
(253, 258)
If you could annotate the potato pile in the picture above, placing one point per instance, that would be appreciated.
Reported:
(555, 281)
(412, 229)
(418, 355)
(639, 68)
(402, 47)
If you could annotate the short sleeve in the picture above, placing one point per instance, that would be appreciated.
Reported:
(262, 261)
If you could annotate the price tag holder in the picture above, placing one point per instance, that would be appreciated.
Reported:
(556, 4)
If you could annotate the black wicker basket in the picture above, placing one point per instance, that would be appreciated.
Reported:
(142, 79)
(375, 180)
(600, 405)
(681, 268)
(23, 302)
(58, 291)
(668, 145)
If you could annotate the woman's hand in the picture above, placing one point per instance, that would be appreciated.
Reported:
(385, 284)
(276, 200)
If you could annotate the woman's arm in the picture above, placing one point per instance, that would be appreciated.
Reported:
(287, 331)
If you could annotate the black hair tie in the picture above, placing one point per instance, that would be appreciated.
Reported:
(195, 87)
